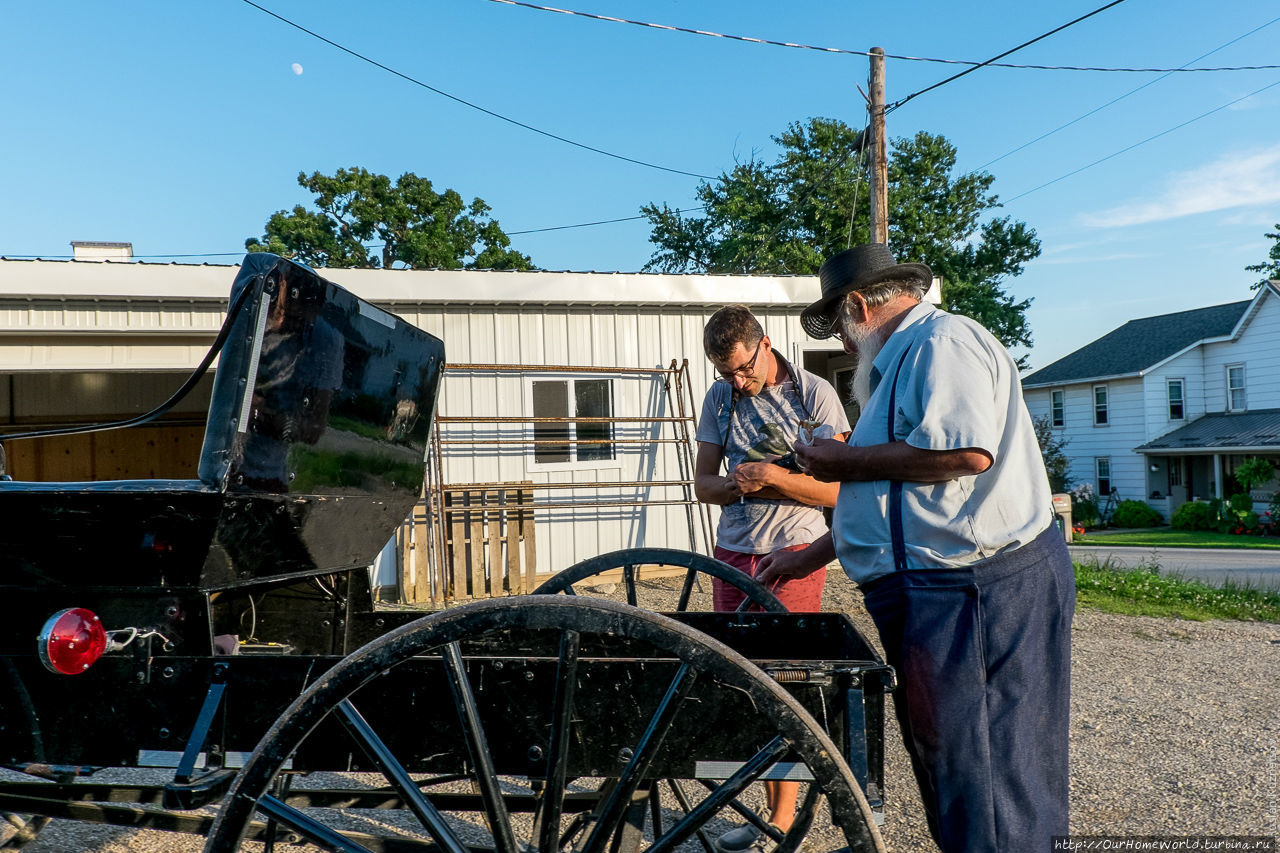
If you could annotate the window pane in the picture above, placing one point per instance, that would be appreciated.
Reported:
(1100, 404)
(1235, 387)
(1058, 408)
(592, 399)
(1175, 400)
(1104, 477)
(551, 400)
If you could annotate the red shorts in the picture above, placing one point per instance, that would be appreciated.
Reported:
(799, 595)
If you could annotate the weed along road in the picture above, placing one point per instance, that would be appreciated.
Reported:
(1259, 569)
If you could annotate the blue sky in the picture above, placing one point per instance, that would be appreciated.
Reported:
(182, 127)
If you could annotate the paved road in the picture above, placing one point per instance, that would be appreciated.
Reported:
(1212, 565)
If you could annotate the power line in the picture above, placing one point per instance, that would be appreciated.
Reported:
(1144, 142)
(955, 77)
(848, 52)
(467, 103)
(1122, 97)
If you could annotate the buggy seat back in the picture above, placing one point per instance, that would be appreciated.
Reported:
(313, 454)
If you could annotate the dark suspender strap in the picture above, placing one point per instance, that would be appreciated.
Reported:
(895, 486)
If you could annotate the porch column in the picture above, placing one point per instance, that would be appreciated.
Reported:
(1217, 476)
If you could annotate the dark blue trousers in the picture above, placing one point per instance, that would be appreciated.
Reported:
(983, 658)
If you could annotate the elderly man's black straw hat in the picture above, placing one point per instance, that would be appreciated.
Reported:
(855, 269)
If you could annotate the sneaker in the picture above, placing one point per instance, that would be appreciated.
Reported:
(744, 838)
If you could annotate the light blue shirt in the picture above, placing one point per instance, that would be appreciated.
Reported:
(957, 388)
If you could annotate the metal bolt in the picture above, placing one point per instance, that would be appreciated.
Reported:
(535, 753)
(167, 672)
(168, 646)
(625, 754)
(141, 676)
(326, 623)
(164, 734)
(528, 675)
(497, 664)
(171, 611)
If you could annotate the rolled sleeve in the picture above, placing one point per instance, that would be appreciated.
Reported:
(950, 398)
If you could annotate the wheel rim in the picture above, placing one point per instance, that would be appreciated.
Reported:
(699, 658)
(629, 559)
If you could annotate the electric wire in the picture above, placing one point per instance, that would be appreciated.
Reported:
(1040, 37)
(846, 51)
(1120, 98)
(470, 104)
(1156, 136)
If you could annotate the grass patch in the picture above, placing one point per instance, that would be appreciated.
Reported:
(1177, 539)
(1144, 591)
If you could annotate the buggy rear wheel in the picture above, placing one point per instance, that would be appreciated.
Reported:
(597, 649)
(630, 559)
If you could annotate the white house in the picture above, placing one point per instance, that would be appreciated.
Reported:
(83, 341)
(1164, 408)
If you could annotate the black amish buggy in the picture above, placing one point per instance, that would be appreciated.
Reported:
(224, 628)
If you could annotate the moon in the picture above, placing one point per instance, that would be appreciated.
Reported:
(297, 68)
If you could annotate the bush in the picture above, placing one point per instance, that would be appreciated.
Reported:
(1195, 516)
(1135, 514)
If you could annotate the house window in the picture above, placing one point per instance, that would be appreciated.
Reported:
(1236, 401)
(1103, 465)
(1176, 410)
(568, 440)
(1058, 407)
(1175, 472)
(1100, 405)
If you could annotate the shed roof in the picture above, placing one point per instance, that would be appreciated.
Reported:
(1140, 344)
(1257, 430)
(80, 279)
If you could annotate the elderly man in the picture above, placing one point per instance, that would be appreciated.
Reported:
(944, 521)
(751, 418)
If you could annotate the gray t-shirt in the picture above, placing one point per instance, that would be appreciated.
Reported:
(762, 426)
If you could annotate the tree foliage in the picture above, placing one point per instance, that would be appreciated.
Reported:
(418, 227)
(1052, 449)
(1270, 268)
(789, 216)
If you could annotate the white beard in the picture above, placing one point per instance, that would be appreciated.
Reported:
(868, 345)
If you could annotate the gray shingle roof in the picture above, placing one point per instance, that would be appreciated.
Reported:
(1225, 430)
(1139, 344)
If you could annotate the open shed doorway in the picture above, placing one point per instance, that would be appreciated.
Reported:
(835, 366)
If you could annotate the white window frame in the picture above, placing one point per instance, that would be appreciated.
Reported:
(573, 463)
(1100, 462)
(1232, 390)
(1182, 398)
(1058, 407)
(1106, 406)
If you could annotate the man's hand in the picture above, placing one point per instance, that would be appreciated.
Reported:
(826, 459)
(778, 566)
(754, 476)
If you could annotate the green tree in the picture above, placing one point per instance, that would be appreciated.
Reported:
(1056, 463)
(1270, 268)
(418, 227)
(789, 216)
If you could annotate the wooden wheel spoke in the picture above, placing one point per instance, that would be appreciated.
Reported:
(308, 827)
(478, 750)
(629, 579)
(683, 799)
(546, 823)
(612, 812)
(723, 794)
(379, 754)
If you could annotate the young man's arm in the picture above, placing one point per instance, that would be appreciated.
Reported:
(708, 485)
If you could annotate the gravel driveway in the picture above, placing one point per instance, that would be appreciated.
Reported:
(1175, 730)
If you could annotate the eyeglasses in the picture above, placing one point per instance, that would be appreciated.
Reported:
(746, 371)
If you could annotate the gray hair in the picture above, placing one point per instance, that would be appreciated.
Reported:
(884, 292)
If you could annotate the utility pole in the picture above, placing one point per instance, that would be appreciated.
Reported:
(879, 151)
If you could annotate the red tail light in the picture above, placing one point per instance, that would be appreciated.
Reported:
(71, 641)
